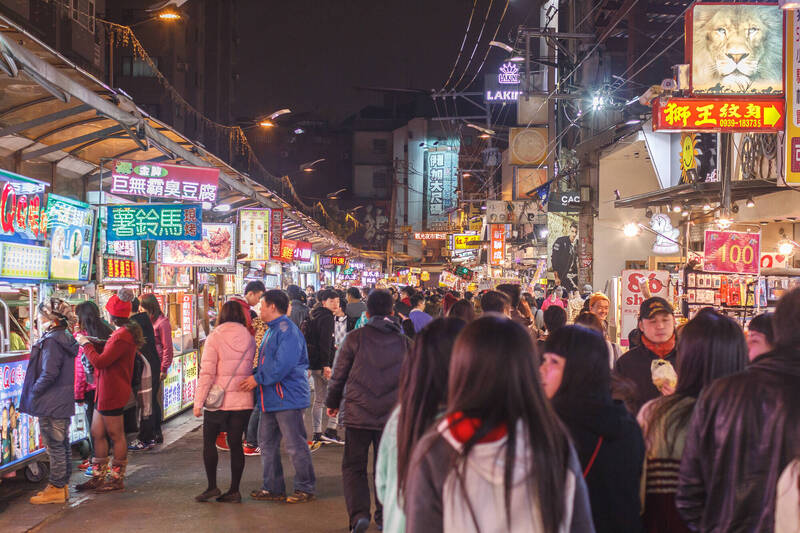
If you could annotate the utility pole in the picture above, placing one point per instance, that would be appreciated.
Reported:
(392, 226)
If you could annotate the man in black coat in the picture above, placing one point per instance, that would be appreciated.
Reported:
(150, 428)
(320, 343)
(368, 369)
(564, 258)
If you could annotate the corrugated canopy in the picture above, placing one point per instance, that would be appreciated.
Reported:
(52, 111)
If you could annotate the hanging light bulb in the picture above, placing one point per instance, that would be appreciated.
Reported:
(706, 206)
(725, 220)
(786, 248)
(631, 229)
(750, 202)
(685, 211)
(676, 208)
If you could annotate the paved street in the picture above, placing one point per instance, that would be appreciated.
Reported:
(159, 495)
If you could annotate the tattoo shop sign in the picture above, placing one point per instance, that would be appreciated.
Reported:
(158, 222)
(151, 180)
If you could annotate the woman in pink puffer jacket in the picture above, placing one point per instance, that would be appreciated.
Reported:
(227, 360)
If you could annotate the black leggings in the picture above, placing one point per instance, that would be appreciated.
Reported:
(234, 422)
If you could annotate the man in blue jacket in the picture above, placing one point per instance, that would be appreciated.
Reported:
(283, 393)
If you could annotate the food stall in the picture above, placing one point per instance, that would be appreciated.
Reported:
(187, 304)
(25, 262)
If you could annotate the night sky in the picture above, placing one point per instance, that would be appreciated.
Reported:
(310, 55)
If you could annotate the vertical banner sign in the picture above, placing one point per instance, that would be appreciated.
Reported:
(732, 252)
(189, 379)
(254, 234)
(632, 295)
(179, 182)
(792, 35)
(275, 233)
(187, 318)
(173, 387)
(498, 242)
(442, 169)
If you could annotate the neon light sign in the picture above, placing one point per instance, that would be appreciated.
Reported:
(22, 209)
(509, 74)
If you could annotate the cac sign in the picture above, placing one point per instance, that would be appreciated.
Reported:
(732, 252)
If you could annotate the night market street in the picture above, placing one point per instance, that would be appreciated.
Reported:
(163, 483)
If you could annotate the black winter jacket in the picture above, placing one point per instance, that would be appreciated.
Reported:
(49, 387)
(634, 365)
(745, 429)
(369, 364)
(319, 339)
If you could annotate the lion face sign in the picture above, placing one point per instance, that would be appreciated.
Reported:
(737, 49)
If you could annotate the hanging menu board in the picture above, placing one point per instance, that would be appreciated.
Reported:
(23, 262)
(254, 234)
(71, 229)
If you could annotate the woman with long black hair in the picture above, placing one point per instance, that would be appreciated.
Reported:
(710, 346)
(577, 379)
(499, 460)
(423, 393)
(91, 325)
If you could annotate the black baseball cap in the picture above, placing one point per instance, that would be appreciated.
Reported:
(653, 306)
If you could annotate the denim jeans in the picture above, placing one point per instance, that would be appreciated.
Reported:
(55, 433)
(251, 434)
(289, 424)
(318, 405)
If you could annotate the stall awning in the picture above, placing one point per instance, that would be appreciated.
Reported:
(697, 193)
(54, 112)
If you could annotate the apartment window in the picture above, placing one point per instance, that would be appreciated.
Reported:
(380, 179)
(138, 68)
(75, 10)
(380, 146)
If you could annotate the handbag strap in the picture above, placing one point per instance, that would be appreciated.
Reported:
(594, 456)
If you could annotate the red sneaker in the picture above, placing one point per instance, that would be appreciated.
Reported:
(222, 442)
(85, 464)
(251, 450)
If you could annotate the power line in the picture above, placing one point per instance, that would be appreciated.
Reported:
(488, 48)
(463, 42)
(477, 42)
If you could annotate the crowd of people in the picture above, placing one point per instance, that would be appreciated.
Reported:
(498, 411)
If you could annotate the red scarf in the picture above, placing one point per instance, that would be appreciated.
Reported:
(661, 349)
(463, 429)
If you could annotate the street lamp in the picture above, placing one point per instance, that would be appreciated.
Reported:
(169, 15)
(335, 195)
(309, 167)
(269, 120)
(515, 58)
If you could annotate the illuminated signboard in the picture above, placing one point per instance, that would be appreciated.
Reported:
(465, 241)
(122, 248)
(23, 261)
(336, 260)
(187, 314)
(117, 269)
(159, 222)
(157, 180)
(71, 225)
(732, 252)
(22, 214)
(442, 170)
(719, 114)
(498, 249)
(173, 276)
(275, 233)
(189, 379)
(214, 249)
(792, 74)
(288, 247)
(430, 236)
(509, 74)
(254, 234)
(302, 251)
(503, 87)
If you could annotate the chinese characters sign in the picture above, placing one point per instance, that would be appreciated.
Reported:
(465, 241)
(71, 225)
(302, 251)
(187, 314)
(159, 222)
(173, 388)
(441, 186)
(275, 233)
(719, 114)
(498, 242)
(115, 269)
(214, 249)
(22, 214)
(732, 252)
(430, 236)
(288, 247)
(151, 180)
(254, 234)
(189, 378)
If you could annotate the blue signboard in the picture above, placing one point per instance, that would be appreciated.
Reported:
(156, 222)
(70, 224)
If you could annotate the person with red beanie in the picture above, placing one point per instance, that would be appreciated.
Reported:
(114, 368)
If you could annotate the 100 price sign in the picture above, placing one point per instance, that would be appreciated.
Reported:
(732, 252)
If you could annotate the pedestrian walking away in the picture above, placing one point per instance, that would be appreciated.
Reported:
(367, 375)
(282, 395)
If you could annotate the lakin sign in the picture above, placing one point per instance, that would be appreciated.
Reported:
(504, 86)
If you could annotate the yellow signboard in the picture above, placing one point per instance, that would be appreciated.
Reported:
(465, 241)
(792, 36)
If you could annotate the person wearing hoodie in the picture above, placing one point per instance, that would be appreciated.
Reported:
(710, 346)
(227, 361)
(465, 476)
(577, 379)
(297, 304)
(423, 393)
(320, 340)
(367, 374)
(657, 324)
(113, 364)
(48, 392)
(354, 308)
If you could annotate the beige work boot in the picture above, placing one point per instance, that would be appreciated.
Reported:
(50, 494)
